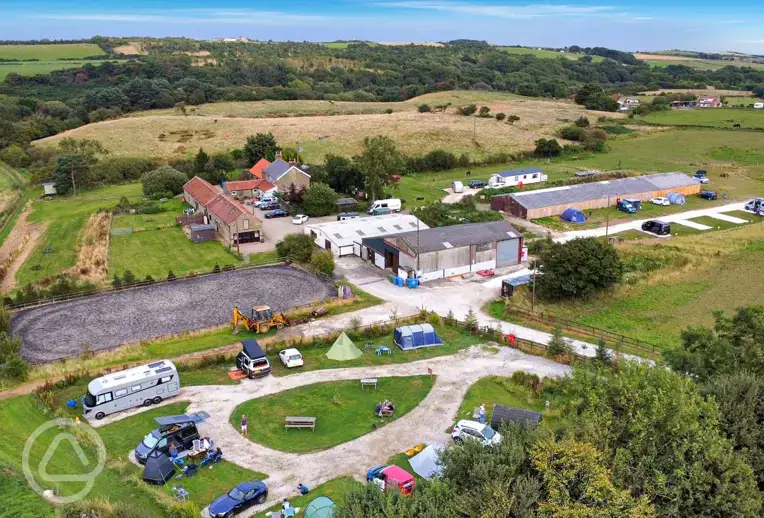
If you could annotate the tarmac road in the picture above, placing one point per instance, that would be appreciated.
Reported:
(105, 321)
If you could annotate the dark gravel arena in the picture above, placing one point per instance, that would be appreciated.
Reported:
(105, 321)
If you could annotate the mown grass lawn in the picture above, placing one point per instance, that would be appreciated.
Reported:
(717, 118)
(315, 358)
(50, 51)
(343, 412)
(170, 210)
(337, 489)
(155, 252)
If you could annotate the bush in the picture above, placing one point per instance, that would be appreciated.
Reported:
(162, 180)
(468, 110)
(171, 276)
(16, 156)
(593, 140)
(501, 116)
(484, 110)
(548, 148)
(318, 200)
(571, 133)
(389, 111)
(577, 268)
(296, 247)
(424, 108)
(439, 160)
(128, 277)
(558, 345)
(15, 368)
(525, 379)
(512, 119)
(582, 121)
(322, 261)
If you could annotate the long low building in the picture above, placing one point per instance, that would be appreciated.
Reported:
(595, 195)
(345, 237)
(437, 253)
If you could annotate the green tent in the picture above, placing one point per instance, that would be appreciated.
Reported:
(343, 349)
(321, 507)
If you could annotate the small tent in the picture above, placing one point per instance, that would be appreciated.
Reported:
(159, 468)
(676, 198)
(321, 507)
(414, 337)
(573, 216)
(343, 349)
(425, 463)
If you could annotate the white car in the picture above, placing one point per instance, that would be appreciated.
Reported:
(472, 430)
(291, 358)
(660, 200)
(702, 179)
(299, 219)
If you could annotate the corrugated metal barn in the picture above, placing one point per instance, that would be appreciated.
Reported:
(436, 253)
(596, 195)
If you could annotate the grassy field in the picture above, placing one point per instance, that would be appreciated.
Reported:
(176, 135)
(547, 54)
(709, 117)
(664, 60)
(51, 51)
(33, 68)
(154, 252)
(689, 278)
(65, 218)
(343, 411)
(336, 489)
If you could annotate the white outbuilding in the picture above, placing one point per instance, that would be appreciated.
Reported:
(345, 237)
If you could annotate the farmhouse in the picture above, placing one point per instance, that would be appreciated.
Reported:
(596, 195)
(515, 177)
(709, 101)
(247, 189)
(198, 193)
(344, 237)
(283, 174)
(437, 253)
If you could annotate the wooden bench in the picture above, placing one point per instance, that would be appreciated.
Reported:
(300, 422)
(368, 382)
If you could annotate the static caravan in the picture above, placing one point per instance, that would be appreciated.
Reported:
(516, 177)
(130, 388)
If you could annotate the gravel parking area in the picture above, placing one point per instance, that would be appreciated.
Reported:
(105, 321)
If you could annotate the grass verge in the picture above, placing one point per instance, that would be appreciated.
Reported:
(343, 411)
(336, 489)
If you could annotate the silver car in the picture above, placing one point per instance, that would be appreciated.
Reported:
(466, 430)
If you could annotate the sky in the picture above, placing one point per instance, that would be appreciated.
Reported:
(645, 25)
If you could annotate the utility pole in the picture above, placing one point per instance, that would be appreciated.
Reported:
(417, 246)
(533, 298)
(474, 129)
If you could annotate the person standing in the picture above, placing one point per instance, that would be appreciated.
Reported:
(482, 413)
(243, 424)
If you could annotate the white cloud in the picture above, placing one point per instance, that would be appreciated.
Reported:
(503, 11)
(228, 16)
(643, 18)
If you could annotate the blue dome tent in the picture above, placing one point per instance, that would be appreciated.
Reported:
(414, 337)
(675, 198)
(573, 216)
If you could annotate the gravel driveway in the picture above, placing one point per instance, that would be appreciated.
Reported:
(105, 321)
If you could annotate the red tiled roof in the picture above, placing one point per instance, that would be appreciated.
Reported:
(200, 190)
(263, 185)
(257, 169)
(226, 209)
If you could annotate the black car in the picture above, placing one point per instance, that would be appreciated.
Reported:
(182, 434)
(237, 499)
(476, 184)
(270, 206)
(277, 213)
(707, 195)
(659, 228)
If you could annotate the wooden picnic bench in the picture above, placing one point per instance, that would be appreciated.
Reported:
(369, 382)
(300, 422)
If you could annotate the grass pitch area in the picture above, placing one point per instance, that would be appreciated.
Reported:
(343, 411)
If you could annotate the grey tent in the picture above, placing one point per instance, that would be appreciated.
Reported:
(425, 464)
(321, 507)
(159, 468)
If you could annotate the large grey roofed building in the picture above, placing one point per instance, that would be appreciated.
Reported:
(553, 201)
(443, 238)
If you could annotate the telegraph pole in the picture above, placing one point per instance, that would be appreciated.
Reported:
(533, 298)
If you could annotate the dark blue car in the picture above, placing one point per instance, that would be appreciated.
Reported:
(277, 213)
(237, 499)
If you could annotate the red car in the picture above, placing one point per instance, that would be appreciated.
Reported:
(390, 478)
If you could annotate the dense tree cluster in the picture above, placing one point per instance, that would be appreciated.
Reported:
(577, 268)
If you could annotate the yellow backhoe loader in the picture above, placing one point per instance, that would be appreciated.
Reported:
(261, 320)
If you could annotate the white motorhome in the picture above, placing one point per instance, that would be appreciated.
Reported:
(393, 204)
(515, 177)
(457, 186)
(139, 386)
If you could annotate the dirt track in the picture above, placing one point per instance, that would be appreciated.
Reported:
(106, 321)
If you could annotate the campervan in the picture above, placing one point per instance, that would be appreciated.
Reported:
(457, 186)
(758, 106)
(139, 386)
(393, 204)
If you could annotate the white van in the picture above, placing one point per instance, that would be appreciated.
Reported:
(457, 186)
(758, 106)
(139, 386)
(393, 204)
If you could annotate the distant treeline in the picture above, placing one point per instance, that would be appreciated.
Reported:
(254, 71)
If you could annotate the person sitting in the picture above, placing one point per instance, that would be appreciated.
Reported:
(286, 508)
(205, 444)
(173, 450)
(390, 408)
(378, 409)
(303, 488)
